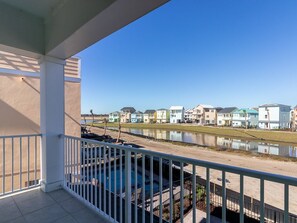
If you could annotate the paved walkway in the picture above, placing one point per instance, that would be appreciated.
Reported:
(38, 207)
(200, 217)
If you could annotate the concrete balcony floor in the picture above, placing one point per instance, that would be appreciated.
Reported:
(36, 206)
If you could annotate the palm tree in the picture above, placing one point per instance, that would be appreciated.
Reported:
(245, 117)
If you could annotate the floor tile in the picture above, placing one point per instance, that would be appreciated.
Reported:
(46, 215)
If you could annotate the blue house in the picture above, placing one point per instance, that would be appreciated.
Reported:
(137, 117)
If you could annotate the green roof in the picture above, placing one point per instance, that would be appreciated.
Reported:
(245, 110)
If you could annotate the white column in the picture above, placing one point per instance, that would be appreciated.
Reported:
(52, 121)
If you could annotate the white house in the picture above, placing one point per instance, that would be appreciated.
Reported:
(224, 117)
(163, 115)
(274, 116)
(177, 114)
(114, 116)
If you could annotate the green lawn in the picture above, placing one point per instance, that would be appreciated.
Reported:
(256, 135)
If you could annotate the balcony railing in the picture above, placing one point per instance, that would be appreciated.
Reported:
(19, 163)
(128, 184)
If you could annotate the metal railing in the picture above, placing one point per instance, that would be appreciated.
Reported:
(19, 163)
(124, 183)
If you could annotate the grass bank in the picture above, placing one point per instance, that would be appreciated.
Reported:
(248, 134)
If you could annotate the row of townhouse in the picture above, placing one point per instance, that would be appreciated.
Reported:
(267, 116)
(130, 115)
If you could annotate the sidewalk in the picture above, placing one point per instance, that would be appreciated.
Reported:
(200, 217)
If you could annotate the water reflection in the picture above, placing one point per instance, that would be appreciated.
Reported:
(217, 141)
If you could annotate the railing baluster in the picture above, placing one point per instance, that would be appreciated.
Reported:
(35, 160)
(80, 166)
(160, 189)
(91, 172)
(3, 166)
(127, 186)
(12, 163)
(170, 192)
(151, 189)
(121, 186)
(100, 179)
(84, 169)
(262, 204)
(28, 180)
(71, 171)
(115, 183)
(88, 172)
(135, 187)
(207, 196)
(223, 196)
(109, 182)
(286, 205)
(194, 191)
(104, 180)
(143, 187)
(75, 165)
(181, 192)
(21, 156)
(96, 176)
(241, 199)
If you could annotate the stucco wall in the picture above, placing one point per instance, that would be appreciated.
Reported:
(20, 106)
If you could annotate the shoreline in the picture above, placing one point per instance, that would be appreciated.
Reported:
(212, 148)
(267, 136)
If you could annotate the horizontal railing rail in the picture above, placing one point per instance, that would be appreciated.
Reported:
(19, 163)
(125, 183)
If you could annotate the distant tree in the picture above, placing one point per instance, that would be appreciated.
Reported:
(105, 125)
(119, 131)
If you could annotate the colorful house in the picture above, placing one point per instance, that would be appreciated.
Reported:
(137, 117)
(126, 114)
(149, 116)
(163, 115)
(224, 116)
(114, 116)
(245, 117)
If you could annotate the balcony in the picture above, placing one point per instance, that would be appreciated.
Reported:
(105, 182)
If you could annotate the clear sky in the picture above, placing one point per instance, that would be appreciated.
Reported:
(221, 52)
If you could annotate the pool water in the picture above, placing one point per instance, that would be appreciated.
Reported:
(116, 175)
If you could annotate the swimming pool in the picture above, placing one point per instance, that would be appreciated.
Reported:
(116, 175)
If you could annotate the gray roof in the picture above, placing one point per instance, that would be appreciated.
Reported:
(227, 110)
(138, 112)
(128, 109)
(274, 105)
(150, 111)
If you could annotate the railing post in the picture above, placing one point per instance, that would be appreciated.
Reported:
(128, 212)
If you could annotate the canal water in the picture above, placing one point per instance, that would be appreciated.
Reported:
(285, 150)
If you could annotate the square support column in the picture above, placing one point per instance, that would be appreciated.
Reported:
(52, 122)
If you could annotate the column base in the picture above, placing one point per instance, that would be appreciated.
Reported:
(49, 187)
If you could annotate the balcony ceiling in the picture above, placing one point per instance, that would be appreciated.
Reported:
(39, 8)
(62, 28)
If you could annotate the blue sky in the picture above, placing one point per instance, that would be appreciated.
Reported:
(221, 52)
